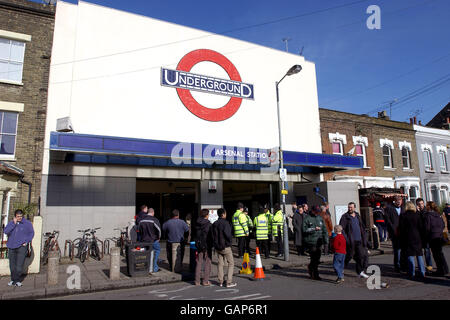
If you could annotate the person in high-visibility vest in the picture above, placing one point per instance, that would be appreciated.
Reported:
(277, 228)
(269, 217)
(261, 223)
(240, 227)
(250, 228)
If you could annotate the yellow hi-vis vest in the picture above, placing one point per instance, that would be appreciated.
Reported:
(262, 227)
(249, 222)
(240, 224)
(269, 217)
(277, 223)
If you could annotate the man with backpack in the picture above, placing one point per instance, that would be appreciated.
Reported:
(222, 238)
(204, 248)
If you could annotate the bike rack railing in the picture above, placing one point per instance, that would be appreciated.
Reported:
(69, 248)
(101, 249)
(107, 244)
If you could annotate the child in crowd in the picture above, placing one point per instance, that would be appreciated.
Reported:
(339, 246)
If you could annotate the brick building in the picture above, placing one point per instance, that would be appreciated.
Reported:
(441, 120)
(388, 149)
(26, 35)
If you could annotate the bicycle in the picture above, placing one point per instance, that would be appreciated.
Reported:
(82, 245)
(94, 248)
(119, 242)
(123, 240)
(50, 244)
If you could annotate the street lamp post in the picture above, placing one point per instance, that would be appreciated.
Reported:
(293, 70)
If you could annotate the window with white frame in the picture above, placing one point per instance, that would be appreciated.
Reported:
(8, 133)
(337, 141)
(443, 161)
(337, 147)
(427, 160)
(443, 194)
(361, 152)
(388, 157)
(11, 60)
(406, 158)
(413, 194)
(434, 194)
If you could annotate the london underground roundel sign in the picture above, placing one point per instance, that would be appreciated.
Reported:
(184, 81)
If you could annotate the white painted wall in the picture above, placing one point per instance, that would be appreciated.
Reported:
(119, 93)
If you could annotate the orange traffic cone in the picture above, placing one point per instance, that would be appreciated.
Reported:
(259, 272)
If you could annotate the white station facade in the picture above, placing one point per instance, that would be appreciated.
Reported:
(143, 111)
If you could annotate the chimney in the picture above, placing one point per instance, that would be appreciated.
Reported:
(383, 115)
(420, 122)
(415, 120)
(410, 120)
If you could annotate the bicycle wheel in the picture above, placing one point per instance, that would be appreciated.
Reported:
(71, 251)
(45, 256)
(83, 254)
(45, 252)
(76, 245)
(95, 252)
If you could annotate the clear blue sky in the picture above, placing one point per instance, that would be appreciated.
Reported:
(358, 70)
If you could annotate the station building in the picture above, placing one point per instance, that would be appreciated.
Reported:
(143, 111)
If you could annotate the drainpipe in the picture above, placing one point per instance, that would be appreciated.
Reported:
(29, 190)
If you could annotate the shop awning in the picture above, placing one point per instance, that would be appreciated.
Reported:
(71, 147)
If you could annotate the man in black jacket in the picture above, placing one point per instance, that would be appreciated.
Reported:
(354, 232)
(426, 245)
(204, 247)
(222, 237)
(150, 231)
(142, 213)
(434, 227)
(393, 213)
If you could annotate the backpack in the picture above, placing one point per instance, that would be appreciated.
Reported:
(436, 224)
(200, 242)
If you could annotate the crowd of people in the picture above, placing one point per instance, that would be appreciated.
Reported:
(414, 229)
(418, 232)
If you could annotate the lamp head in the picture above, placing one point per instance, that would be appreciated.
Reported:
(294, 69)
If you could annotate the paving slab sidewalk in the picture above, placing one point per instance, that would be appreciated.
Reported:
(95, 274)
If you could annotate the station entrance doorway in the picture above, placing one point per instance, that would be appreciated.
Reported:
(167, 195)
(251, 194)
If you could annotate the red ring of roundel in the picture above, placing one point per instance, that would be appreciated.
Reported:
(220, 114)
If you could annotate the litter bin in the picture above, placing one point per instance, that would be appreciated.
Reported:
(192, 257)
(137, 255)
